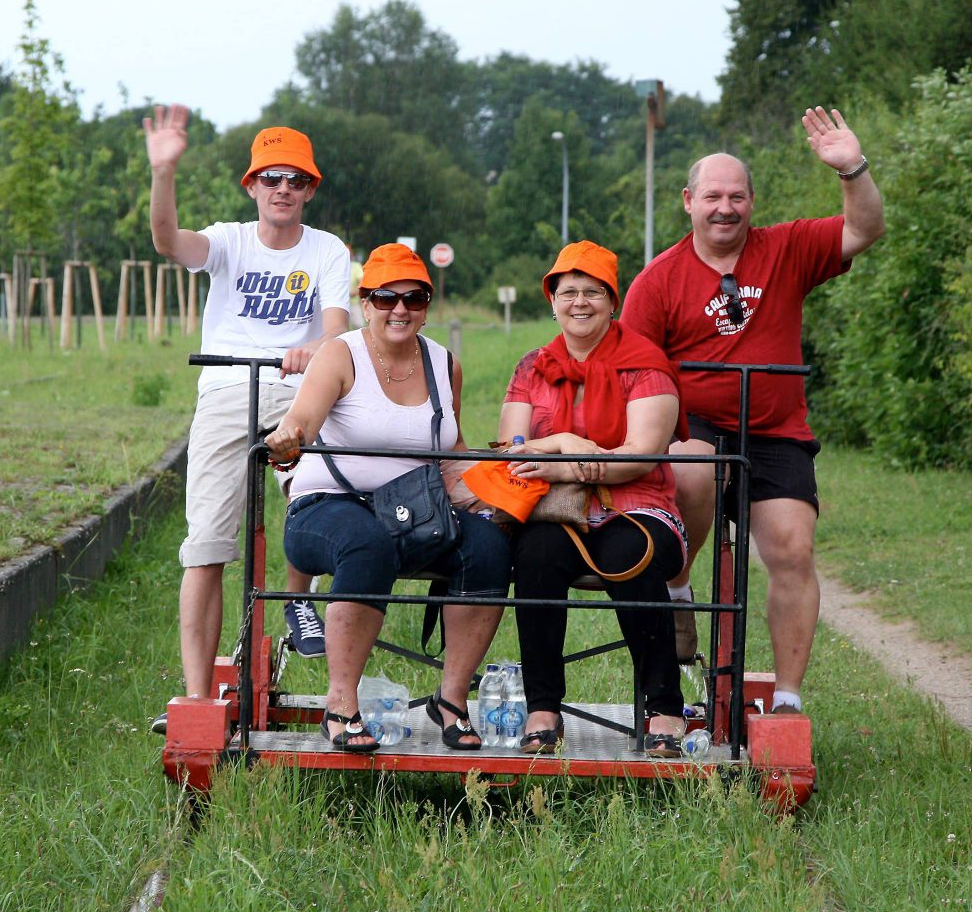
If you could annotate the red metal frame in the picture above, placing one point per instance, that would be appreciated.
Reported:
(199, 731)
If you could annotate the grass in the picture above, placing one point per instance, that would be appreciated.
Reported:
(88, 815)
(77, 425)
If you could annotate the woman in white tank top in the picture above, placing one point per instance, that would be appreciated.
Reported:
(368, 389)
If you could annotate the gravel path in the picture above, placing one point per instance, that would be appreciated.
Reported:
(936, 669)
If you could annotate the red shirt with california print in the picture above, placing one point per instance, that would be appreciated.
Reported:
(676, 302)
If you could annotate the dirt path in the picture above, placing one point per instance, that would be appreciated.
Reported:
(936, 669)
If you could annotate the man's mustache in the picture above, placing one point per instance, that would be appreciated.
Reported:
(724, 219)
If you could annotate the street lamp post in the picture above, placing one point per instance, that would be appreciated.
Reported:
(653, 91)
(557, 136)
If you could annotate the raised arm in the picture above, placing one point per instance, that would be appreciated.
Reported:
(836, 145)
(165, 141)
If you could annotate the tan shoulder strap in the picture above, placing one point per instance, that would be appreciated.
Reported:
(604, 496)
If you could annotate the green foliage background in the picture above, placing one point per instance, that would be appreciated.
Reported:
(461, 151)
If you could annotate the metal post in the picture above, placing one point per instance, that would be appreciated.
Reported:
(650, 180)
(557, 136)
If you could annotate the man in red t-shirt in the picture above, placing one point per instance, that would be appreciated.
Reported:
(730, 292)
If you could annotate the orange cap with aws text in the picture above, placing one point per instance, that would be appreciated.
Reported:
(492, 482)
(282, 146)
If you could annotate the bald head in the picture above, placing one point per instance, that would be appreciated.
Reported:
(722, 163)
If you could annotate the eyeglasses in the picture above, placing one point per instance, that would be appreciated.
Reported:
(295, 180)
(734, 306)
(386, 299)
(590, 294)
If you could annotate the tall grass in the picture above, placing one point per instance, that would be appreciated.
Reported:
(88, 814)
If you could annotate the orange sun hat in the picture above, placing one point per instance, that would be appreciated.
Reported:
(393, 263)
(492, 482)
(588, 257)
(282, 146)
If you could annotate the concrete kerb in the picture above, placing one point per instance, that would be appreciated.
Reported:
(32, 583)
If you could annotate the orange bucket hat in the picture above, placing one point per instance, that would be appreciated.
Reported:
(282, 146)
(588, 257)
(492, 482)
(392, 263)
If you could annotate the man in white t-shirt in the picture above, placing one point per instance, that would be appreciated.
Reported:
(278, 289)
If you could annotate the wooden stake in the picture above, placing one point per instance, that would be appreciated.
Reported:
(149, 306)
(67, 306)
(96, 304)
(121, 312)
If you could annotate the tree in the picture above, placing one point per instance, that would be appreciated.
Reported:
(389, 62)
(36, 130)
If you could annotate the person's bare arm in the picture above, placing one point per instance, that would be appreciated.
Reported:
(836, 145)
(165, 141)
(295, 360)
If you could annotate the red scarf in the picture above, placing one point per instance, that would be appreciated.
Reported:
(620, 349)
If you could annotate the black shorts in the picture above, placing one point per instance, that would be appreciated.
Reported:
(781, 466)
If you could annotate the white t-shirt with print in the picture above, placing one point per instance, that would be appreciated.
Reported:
(263, 301)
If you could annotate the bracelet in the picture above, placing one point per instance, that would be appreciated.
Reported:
(284, 466)
(857, 172)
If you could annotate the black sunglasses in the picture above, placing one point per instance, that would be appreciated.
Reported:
(386, 299)
(295, 180)
(734, 307)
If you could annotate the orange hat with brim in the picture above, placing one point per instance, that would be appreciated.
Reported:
(492, 482)
(587, 257)
(282, 146)
(393, 263)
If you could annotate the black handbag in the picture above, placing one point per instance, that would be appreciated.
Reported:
(414, 508)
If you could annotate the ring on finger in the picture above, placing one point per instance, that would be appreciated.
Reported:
(534, 466)
(581, 464)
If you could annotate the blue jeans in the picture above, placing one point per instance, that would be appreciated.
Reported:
(336, 534)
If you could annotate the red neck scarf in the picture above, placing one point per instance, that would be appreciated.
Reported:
(619, 350)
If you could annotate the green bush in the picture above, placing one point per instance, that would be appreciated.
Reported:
(894, 336)
(149, 389)
(525, 273)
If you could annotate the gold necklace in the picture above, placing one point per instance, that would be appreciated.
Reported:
(388, 376)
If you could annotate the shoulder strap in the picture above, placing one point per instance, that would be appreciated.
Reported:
(336, 473)
(604, 496)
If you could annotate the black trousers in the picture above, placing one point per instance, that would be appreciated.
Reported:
(546, 562)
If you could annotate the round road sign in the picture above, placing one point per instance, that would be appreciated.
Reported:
(442, 255)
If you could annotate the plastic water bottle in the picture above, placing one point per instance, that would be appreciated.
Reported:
(384, 718)
(514, 706)
(491, 706)
(696, 743)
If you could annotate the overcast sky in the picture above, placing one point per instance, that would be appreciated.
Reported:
(226, 57)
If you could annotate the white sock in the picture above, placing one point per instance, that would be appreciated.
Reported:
(683, 593)
(788, 697)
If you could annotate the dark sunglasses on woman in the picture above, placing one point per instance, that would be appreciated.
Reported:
(386, 299)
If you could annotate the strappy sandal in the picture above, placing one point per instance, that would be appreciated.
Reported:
(461, 728)
(663, 746)
(353, 728)
(544, 740)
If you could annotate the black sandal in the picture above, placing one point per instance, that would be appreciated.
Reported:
(353, 728)
(461, 728)
(663, 746)
(544, 740)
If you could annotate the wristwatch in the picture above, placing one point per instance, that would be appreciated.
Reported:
(857, 172)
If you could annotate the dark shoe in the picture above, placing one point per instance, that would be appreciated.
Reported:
(306, 628)
(663, 746)
(160, 724)
(544, 740)
(686, 635)
(460, 729)
(786, 709)
(353, 728)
